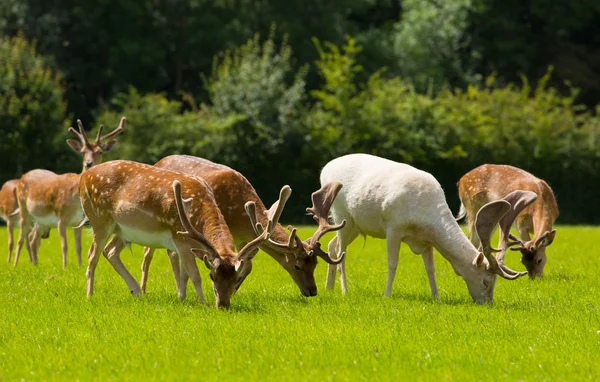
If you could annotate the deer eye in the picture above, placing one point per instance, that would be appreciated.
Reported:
(297, 267)
(539, 261)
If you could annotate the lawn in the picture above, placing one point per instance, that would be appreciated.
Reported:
(545, 329)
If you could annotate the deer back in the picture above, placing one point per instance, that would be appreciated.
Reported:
(231, 191)
(490, 182)
(8, 198)
(140, 196)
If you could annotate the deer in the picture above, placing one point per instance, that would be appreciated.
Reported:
(231, 190)
(52, 200)
(9, 210)
(399, 203)
(490, 182)
(132, 201)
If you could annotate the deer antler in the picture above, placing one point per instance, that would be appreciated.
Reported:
(192, 232)
(519, 200)
(322, 201)
(80, 134)
(117, 131)
(272, 214)
(485, 222)
(258, 230)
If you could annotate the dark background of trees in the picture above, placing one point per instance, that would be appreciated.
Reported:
(277, 88)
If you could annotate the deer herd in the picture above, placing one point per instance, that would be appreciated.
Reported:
(197, 209)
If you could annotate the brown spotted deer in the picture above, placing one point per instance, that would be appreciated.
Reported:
(492, 182)
(9, 210)
(52, 200)
(232, 190)
(144, 204)
(399, 203)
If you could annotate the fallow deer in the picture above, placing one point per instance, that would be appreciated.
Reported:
(400, 203)
(133, 201)
(492, 182)
(52, 200)
(9, 210)
(232, 190)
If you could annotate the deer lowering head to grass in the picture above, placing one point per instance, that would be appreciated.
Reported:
(9, 210)
(231, 190)
(399, 203)
(52, 200)
(143, 204)
(492, 182)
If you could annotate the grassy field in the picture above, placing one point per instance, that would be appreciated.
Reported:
(546, 329)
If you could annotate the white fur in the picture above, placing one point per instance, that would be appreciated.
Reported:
(162, 239)
(400, 203)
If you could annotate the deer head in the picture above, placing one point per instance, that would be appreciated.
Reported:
(304, 253)
(533, 252)
(487, 267)
(92, 151)
(228, 272)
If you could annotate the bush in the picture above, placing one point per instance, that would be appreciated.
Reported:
(536, 129)
(156, 127)
(32, 112)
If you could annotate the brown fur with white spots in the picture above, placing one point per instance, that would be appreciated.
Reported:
(492, 182)
(232, 190)
(52, 200)
(136, 203)
(9, 210)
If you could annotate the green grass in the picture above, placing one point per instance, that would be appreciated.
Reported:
(545, 329)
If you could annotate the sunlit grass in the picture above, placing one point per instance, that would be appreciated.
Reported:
(548, 329)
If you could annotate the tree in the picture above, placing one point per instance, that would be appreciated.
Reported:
(32, 111)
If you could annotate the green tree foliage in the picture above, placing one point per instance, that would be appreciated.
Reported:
(427, 43)
(32, 110)
(515, 37)
(537, 129)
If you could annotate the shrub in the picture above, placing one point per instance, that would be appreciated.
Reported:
(32, 111)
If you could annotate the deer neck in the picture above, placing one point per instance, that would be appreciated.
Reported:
(213, 227)
(450, 240)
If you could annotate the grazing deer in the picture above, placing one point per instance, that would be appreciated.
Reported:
(133, 201)
(492, 182)
(52, 200)
(231, 190)
(399, 203)
(9, 210)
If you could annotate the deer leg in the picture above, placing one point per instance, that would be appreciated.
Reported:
(346, 236)
(25, 226)
(430, 269)
(333, 249)
(188, 260)
(473, 233)
(77, 235)
(148, 255)
(100, 239)
(112, 252)
(174, 260)
(393, 251)
(342, 269)
(35, 239)
(62, 232)
(183, 280)
(10, 228)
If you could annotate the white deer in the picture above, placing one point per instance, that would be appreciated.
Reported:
(399, 203)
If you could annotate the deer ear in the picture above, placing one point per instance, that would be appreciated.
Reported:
(75, 145)
(550, 237)
(238, 265)
(109, 145)
(478, 261)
